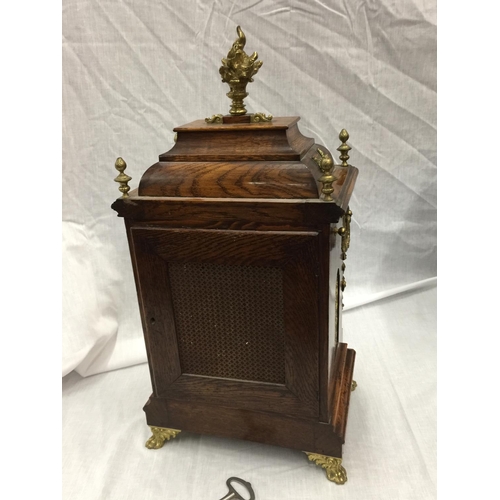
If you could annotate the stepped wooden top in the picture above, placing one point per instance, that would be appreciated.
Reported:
(243, 160)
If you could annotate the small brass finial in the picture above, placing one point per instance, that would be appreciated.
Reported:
(122, 178)
(237, 71)
(344, 148)
(325, 164)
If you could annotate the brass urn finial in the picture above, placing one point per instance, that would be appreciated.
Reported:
(237, 71)
(344, 148)
(122, 177)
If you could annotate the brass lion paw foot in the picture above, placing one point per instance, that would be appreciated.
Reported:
(160, 435)
(332, 465)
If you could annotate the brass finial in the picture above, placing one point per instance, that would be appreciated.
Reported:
(344, 148)
(325, 164)
(237, 70)
(122, 178)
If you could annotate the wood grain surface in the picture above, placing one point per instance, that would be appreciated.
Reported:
(238, 179)
(247, 195)
(294, 252)
(239, 142)
(269, 428)
(226, 213)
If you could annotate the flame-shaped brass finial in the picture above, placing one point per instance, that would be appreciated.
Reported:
(122, 177)
(325, 164)
(344, 148)
(237, 71)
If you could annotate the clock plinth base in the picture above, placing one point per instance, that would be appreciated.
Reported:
(160, 435)
(323, 439)
(332, 465)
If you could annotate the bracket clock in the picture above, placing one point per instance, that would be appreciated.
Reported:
(238, 237)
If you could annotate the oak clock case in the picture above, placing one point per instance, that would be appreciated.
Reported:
(235, 235)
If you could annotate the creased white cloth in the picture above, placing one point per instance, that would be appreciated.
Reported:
(390, 449)
(133, 70)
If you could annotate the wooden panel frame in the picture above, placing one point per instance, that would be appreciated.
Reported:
(264, 427)
(295, 252)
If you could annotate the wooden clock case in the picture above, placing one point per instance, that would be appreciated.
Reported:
(238, 259)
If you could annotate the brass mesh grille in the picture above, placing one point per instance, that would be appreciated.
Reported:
(229, 320)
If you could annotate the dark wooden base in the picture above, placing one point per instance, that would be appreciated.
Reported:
(324, 438)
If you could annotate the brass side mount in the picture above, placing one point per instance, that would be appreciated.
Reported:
(346, 235)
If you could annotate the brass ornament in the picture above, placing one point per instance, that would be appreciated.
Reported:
(332, 465)
(346, 236)
(344, 148)
(214, 119)
(343, 283)
(325, 164)
(160, 435)
(345, 233)
(354, 384)
(237, 71)
(260, 117)
(122, 178)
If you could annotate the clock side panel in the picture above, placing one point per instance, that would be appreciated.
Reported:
(231, 317)
(152, 290)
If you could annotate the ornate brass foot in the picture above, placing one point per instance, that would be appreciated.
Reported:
(332, 465)
(354, 384)
(160, 435)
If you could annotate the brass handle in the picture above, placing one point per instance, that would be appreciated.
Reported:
(333, 231)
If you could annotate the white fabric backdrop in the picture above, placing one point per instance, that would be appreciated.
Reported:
(133, 70)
